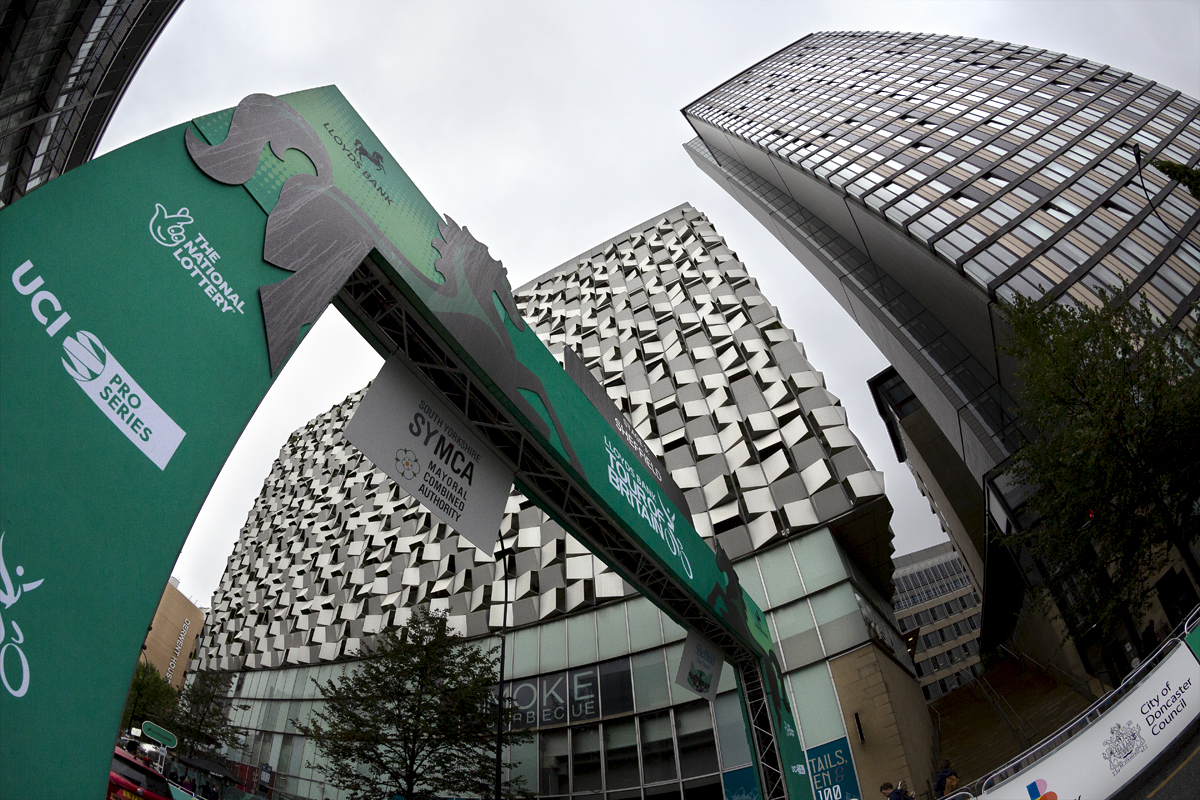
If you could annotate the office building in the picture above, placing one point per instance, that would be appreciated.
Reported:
(935, 598)
(65, 65)
(678, 333)
(171, 641)
(924, 179)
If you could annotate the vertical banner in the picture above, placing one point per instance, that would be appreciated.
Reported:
(410, 433)
(700, 666)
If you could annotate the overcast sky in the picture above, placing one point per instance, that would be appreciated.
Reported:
(547, 127)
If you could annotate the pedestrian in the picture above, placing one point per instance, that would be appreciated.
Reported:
(1149, 641)
(896, 792)
(947, 780)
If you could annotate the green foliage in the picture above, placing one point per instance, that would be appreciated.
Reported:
(417, 718)
(201, 719)
(1189, 177)
(151, 697)
(1115, 405)
(992, 657)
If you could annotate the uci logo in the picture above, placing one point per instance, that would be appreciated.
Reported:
(168, 229)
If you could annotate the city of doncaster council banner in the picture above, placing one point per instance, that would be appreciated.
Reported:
(148, 298)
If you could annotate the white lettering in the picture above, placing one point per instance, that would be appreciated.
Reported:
(196, 256)
(648, 502)
(178, 647)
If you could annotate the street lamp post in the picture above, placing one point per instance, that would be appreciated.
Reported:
(138, 695)
(505, 553)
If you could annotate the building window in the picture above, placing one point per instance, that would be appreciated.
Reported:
(585, 759)
(694, 732)
(658, 747)
(553, 775)
(620, 754)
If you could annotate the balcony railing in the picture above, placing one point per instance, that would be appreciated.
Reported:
(1086, 718)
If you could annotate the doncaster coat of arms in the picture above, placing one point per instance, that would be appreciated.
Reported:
(1125, 743)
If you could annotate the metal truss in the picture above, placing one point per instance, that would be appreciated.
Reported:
(770, 769)
(384, 312)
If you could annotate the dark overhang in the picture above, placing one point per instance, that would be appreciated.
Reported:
(64, 66)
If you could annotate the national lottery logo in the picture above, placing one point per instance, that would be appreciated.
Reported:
(168, 229)
(195, 254)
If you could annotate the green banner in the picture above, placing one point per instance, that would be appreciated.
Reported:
(131, 365)
(147, 308)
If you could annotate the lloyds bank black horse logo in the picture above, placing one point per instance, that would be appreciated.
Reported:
(375, 158)
(317, 232)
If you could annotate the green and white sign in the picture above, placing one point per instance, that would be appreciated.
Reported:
(159, 734)
(700, 666)
(149, 298)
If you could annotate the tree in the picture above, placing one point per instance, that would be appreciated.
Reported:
(1188, 176)
(1113, 407)
(200, 721)
(417, 718)
(151, 696)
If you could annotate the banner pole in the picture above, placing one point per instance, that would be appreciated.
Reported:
(500, 687)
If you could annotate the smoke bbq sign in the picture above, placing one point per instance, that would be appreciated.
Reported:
(414, 437)
(572, 696)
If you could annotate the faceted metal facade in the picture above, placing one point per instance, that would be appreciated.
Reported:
(680, 336)
(65, 65)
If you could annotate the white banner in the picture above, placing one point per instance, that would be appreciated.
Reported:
(1098, 762)
(409, 432)
(121, 398)
(700, 666)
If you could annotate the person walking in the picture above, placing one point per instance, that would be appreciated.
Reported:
(947, 780)
(897, 792)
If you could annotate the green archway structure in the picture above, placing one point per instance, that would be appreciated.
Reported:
(151, 296)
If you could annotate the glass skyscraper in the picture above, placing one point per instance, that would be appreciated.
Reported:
(64, 65)
(680, 337)
(923, 179)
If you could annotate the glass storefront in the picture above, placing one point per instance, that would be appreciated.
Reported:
(620, 727)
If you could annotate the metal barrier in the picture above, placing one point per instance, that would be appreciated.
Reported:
(1093, 712)
(1062, 675)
